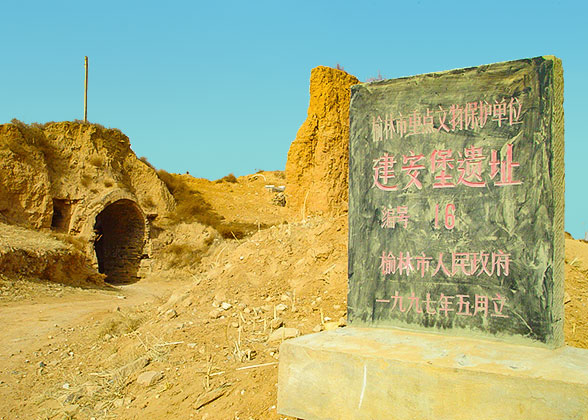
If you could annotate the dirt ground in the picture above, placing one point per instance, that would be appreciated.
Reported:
(205, 335)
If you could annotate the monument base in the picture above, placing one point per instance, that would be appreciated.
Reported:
(366, 373)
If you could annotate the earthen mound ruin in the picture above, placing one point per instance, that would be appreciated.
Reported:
(318, 159)
(83, 180)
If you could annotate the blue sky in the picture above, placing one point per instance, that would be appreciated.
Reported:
(219, 88)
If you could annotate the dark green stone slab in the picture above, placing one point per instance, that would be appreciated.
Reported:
(456, 202)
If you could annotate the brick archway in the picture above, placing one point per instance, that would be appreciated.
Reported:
(120, 230)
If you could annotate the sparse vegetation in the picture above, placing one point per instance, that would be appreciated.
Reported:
(108, 183)
(191, 207)
(228, 178)
(182, 255)
(33, 135)
(119, 324)
(146, 162)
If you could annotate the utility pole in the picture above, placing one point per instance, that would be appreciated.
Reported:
(86, 91)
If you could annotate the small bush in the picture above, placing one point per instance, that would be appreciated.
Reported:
(120, 324)
(182, 255)
(146, 162)
(99, 126)
(108, 183)
(229, 178)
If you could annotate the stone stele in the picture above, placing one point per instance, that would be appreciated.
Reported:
(456, 202)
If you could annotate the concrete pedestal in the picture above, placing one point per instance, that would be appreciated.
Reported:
(364, 373)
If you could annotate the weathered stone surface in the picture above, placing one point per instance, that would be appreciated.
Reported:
(283, 333)
(456, 202)
(149, 378)
(355, 373)
(316, 169)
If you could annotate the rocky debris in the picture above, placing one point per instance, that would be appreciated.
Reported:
(133, 366)
(215, 313)
(318, 159)
(279, 199)
(283, 333)
(331, 325)
(276, 323)
(318, 328)
(280, 307)
(170, 314)
(149, 378)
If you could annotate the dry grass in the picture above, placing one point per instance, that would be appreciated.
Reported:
(33, 135)
(228, 178)
(74, 241)
(119, 324)
(182, 255)
(191, 207)
(146, 162)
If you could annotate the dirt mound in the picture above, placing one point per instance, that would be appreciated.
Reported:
(318, 158)
(83, 180)
(60, 174)
(213, 344)
(79, 169)
(576, 296)
(26, 254)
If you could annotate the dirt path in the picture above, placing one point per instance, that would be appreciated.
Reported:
(26, 325)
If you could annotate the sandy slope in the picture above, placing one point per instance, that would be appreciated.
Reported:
(216, 363)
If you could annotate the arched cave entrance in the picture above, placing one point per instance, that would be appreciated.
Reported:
(120, 230)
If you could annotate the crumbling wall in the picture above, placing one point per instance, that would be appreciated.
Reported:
(318, 159)
(24, 181)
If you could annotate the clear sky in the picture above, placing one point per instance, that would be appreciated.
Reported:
(220, 87)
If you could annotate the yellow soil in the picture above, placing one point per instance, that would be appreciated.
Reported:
(68, 352)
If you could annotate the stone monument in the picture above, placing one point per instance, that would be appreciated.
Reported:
(456, 202)
(456, 256)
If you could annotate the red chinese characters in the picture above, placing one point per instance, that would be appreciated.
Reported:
(455, 264)
(473, 115)
(493, 306)
(395, 216)
(446, 168)
(384, 172)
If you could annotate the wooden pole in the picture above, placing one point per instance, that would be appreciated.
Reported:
(86, 91)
